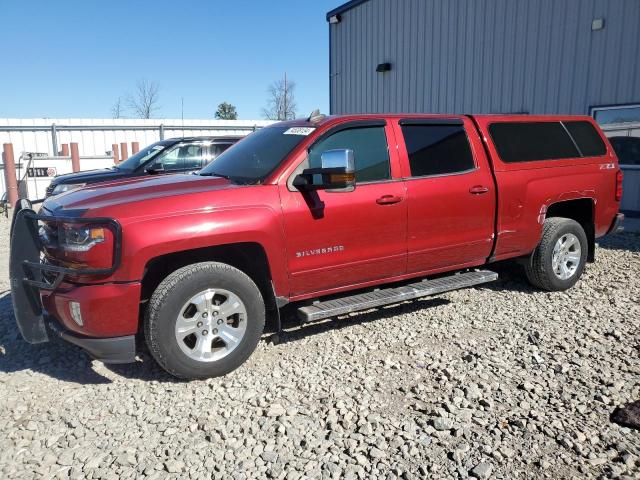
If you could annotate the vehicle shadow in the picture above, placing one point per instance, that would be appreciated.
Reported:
(511, 277)
(294, 330)
(56, 358)
(59, 359)
(63, 361)
(629, 241)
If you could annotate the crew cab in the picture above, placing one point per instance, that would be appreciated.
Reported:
(324, 215)
(174, 155)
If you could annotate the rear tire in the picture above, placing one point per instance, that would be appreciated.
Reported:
(204, 320)
(558, 261)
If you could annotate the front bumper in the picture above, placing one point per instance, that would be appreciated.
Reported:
(32, 281)
(107, 350)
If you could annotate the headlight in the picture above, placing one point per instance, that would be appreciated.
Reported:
(65, 187)
(80, 238)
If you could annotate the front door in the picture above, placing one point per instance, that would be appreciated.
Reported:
(342, 239)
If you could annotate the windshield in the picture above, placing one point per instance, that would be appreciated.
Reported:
(142, 156)
(257, 155)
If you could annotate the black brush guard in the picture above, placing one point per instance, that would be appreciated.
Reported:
(29, 274)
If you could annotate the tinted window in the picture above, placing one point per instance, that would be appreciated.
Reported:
(255, 156)
(370, 152)
(587, 138)
(529, 141)
(627, 149)
(437, 149)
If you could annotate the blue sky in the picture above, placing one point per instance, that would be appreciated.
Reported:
(74, 58)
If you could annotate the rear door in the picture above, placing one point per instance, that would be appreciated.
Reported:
(451, 196)
(341, 239)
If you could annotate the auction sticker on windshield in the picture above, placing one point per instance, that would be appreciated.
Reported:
(299, 131)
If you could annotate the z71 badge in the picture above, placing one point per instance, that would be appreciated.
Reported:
(320, 251)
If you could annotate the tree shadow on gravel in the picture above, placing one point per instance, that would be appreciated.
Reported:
(59, 359)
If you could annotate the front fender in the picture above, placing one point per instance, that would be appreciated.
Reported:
(146, 239)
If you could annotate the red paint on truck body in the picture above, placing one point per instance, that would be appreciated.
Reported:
(421, 226)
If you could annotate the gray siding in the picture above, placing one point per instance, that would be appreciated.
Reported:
(485, 56)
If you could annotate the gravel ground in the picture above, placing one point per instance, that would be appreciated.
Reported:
(492, 382)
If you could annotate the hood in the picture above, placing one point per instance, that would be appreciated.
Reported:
(89, 176)
(127, 195)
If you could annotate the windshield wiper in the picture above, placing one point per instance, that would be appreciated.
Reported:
(213, 174)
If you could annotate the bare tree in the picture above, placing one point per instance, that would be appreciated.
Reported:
(144, 102)
(281, 103)
(117, 110)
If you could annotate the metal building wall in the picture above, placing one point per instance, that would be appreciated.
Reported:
(485, 56)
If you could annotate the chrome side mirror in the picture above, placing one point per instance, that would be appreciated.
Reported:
(337, 174)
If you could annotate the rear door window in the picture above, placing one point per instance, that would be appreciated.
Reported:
(437, 149)
(587, 138)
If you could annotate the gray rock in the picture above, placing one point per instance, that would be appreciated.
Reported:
(442, 423)
(269, 456)
(276, 410)
(481, 470)
(174, 466)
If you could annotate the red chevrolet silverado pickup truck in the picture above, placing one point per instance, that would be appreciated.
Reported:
(328, 214)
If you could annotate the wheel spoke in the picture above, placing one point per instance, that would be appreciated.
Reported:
(186, 330)
(183, 323)
(203, 346)
(229, 336)
(203, 301)
(570, 242)
(573, 257)
(231, 306)
(566, 273)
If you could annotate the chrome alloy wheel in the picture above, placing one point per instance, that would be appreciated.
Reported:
(566, 256)
(211, 325)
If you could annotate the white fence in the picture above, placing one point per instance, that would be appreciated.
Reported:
(95, 138)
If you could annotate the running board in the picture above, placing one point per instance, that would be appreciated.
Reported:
(378, 298)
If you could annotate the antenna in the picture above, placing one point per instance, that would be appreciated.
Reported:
(182, 113)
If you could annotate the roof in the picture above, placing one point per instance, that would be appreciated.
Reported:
(344, 7)
(204, 138)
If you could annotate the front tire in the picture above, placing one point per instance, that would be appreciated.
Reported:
(204, 320)
(558, 261)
